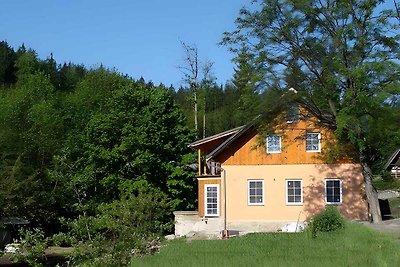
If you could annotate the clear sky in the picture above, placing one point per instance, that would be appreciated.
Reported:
(137, 37)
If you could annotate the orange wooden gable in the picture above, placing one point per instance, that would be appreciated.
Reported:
(248, 149)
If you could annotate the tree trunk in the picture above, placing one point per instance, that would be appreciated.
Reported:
(195, 112)
(372, 194)
(204, 124)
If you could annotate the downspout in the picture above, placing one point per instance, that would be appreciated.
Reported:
(225, 234)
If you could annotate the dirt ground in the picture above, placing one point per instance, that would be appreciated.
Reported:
(388, 226)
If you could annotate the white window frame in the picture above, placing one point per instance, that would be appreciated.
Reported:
(301, 192)
(290, 113)
(319, 142)
(280, 144)
(341, 191)
(248, 192)
(205, 200)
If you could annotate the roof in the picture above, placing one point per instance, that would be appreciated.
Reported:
(13, 221)
(216, 136)
(394, 159)
(231, 139)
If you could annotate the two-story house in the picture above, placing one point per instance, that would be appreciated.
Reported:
(250, 186)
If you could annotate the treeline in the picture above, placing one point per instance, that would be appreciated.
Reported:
(78, 144)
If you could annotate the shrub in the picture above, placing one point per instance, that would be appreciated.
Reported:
(32, 247)
(126, 228)
(327, 221)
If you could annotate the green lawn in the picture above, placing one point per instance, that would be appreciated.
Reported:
(354, 246)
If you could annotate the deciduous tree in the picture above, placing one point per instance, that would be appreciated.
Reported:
(346, 56)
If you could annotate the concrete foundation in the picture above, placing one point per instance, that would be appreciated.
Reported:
(245, 227)
(189, 224)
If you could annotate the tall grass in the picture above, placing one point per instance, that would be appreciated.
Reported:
(354, 246)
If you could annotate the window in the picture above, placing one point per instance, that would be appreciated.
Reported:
(211, 194)
(313, 142)
(273, 143)
(333, 191)
(292, 113)
(256, 192)
(294, 194)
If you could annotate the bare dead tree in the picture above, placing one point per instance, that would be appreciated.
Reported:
(190, 70)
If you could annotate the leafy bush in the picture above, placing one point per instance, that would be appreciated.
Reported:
(327, 221)
(32, 248)
(126, 228)
(63, 240)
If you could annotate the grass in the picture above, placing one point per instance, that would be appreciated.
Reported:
(388, 183)
(354, 246)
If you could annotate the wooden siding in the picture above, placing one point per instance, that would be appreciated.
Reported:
(203, 182)
(248, 150)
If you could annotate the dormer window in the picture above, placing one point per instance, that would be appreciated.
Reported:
(313, 142)
(292, 114)
(273, 143)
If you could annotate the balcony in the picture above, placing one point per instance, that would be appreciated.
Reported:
(209, 169)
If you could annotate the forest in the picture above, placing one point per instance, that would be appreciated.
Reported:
(95, 159)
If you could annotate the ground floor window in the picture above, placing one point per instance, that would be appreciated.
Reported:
(256, 192)
(294, 192)
(333, 191)
(211, 195)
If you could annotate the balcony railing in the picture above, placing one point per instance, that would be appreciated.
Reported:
(211, 168)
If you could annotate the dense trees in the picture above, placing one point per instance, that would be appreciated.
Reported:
(72, 138)
(341, 57)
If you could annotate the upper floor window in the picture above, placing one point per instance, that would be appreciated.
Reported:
(313, 142)
(256, 192)
(292, 113)
(273, 143)
(333, 191)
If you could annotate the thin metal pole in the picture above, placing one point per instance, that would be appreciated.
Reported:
(225, 235)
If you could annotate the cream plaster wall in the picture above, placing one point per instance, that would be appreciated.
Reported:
(354, 205)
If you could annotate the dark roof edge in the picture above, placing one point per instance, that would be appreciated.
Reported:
(394, 155)
(231, 139)
(216, 136)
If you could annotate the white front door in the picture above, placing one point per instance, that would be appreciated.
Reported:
(211, 200)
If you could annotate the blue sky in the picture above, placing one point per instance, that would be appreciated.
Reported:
(138, 38)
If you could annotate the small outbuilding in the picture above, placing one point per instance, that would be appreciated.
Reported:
(393, 164)
(9, 229)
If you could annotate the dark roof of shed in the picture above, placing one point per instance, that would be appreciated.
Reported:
(13, 221)
(394, 159)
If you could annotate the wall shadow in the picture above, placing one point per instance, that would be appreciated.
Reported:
(354, 204)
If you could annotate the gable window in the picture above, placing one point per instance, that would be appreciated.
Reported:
(273, 143)
(256, 192)
(211, 203)
(292, 114)
(333, 191)
(294, 194)
(313, 142)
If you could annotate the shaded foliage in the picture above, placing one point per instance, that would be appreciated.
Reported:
(72, 139)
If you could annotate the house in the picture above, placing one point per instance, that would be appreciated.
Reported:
(252, 186)
(393, 164)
